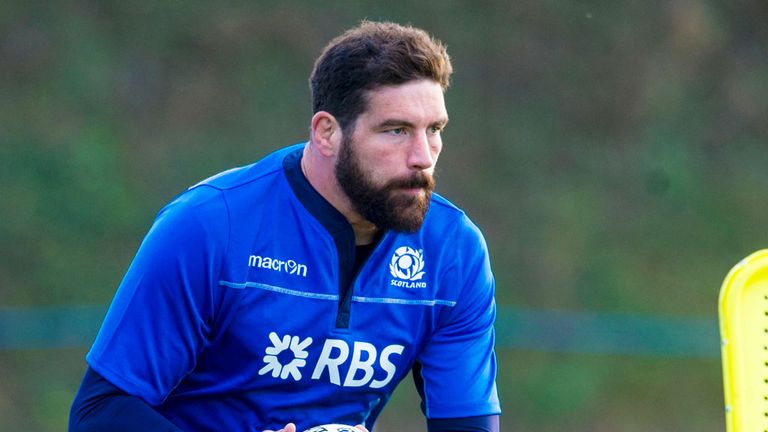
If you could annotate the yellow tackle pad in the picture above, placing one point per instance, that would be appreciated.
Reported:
(744, 335)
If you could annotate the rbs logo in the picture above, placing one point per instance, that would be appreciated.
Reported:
(363, 360)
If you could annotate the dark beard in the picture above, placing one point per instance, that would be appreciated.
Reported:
(387, 206)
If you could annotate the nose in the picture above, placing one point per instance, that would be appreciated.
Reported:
(422, 156)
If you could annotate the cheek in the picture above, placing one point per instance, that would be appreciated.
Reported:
(436, 148)
(380, 167)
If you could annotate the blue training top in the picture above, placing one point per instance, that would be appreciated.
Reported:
(230, 316)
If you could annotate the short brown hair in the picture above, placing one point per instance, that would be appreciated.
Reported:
(369, 56)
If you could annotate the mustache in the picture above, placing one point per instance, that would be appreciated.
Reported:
(416, 180)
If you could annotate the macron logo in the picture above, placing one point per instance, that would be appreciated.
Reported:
(291, 267)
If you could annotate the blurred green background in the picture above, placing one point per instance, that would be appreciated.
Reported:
(613, 152)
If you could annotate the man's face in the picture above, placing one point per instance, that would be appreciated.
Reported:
(386, 163)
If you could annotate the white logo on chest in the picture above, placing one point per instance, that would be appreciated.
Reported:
(291, 267)
(407, 267)
(365, 362)
(297, 347)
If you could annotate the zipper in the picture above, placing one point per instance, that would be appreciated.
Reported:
(347, 278)
(345, 247)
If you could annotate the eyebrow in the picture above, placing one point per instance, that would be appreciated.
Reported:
(400, 123)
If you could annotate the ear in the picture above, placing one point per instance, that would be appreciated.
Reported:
(326, 133)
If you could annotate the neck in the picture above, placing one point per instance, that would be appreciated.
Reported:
(364, 233)
(320, 174)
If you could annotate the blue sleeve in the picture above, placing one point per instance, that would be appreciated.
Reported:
(100, 406)
(458, 364)
(465, 424)
(161, 316)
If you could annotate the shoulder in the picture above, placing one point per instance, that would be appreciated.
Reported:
(208, 205)
(445, 219)
(459, 245)
(236, 188)
(234, 178)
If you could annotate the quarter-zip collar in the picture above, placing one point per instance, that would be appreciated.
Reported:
(334, 222)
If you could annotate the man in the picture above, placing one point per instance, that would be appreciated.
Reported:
(301, 289)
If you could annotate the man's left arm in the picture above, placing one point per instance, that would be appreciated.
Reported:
(456, 371)
(484, 423)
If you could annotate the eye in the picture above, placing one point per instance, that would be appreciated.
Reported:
(434, 130)
(396, 131)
